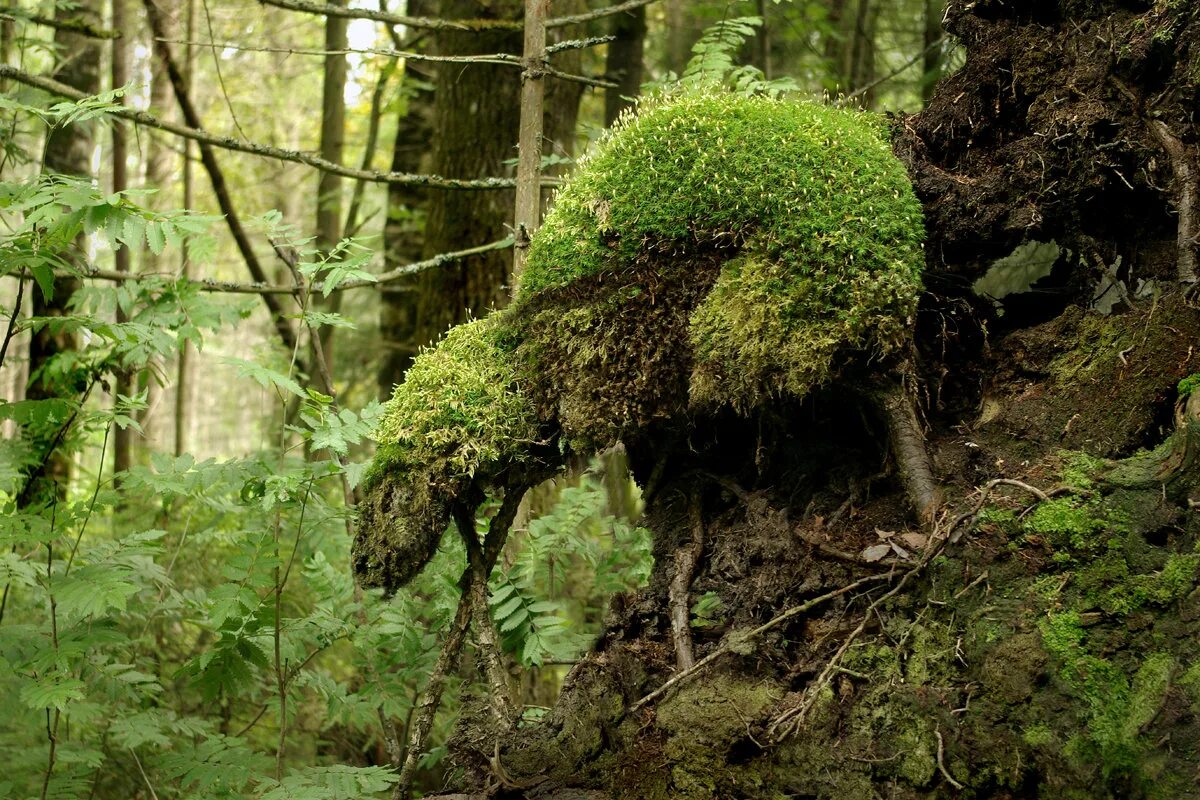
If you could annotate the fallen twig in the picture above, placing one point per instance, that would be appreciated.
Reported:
(738, 639)
(942, 764)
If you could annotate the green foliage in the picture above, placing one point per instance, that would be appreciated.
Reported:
(569, 561)
(713, 61)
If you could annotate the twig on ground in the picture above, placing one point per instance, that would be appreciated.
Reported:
(738, 639)
(941, 753)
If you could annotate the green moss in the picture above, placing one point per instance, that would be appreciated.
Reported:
(1116, 708)
(702, 722)
(1190, 683)
(1071, 521)
(459, 406)
(815, 222)
(1038, 735)
(1189, 384)
(1080, 470)
(459, 413)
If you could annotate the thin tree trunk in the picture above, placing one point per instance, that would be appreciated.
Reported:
(529, 164)
(625, 62)
(183, 377)
(217, 177)
(68, 152)
(333, 136)
(122, 437)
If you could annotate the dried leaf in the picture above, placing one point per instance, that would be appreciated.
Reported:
(876, 553)
(916, 541)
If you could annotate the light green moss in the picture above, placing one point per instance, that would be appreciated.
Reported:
(1072, 522)
(459, 407)
(1117, 707)
(458, 415)
(816, 220)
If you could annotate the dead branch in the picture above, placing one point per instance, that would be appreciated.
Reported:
(196, 134)
(430, 23)
(391, 276)
(686, 558)
(504, 59)
(77, 26)
(217, 177)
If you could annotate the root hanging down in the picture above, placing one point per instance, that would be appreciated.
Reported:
(686, 559)
(1187, 199)
(912, 459)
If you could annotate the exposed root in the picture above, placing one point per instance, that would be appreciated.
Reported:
(501, 694)
(686, 559)
(908, 447)
(1188, 195)
(481, 559)
(790, 719)
(941, 755)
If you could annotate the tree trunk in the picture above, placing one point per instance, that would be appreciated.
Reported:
(122, 437)
(626, 62)
(406, 210)
(329, 186)
(1043, 640)
(68, 152)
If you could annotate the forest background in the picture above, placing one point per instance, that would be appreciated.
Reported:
(198, 336)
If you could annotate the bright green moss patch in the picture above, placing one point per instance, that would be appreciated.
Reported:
(1071, 522)
(815, 221)
(459, 405)
(459, 413)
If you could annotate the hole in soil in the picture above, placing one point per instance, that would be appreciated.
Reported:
(1160, 426)
(743, 751)
(1159, 537)
(1031, 285)
(1017, 272)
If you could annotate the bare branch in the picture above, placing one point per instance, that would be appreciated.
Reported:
(77, 26)
(230, 287)
(266, 151)
(429, 23)
(506, 59)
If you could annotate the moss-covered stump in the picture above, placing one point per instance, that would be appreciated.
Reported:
(715, 252)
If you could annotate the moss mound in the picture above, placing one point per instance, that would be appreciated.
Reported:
(812, 221)
(716, 250)
(458, 416)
